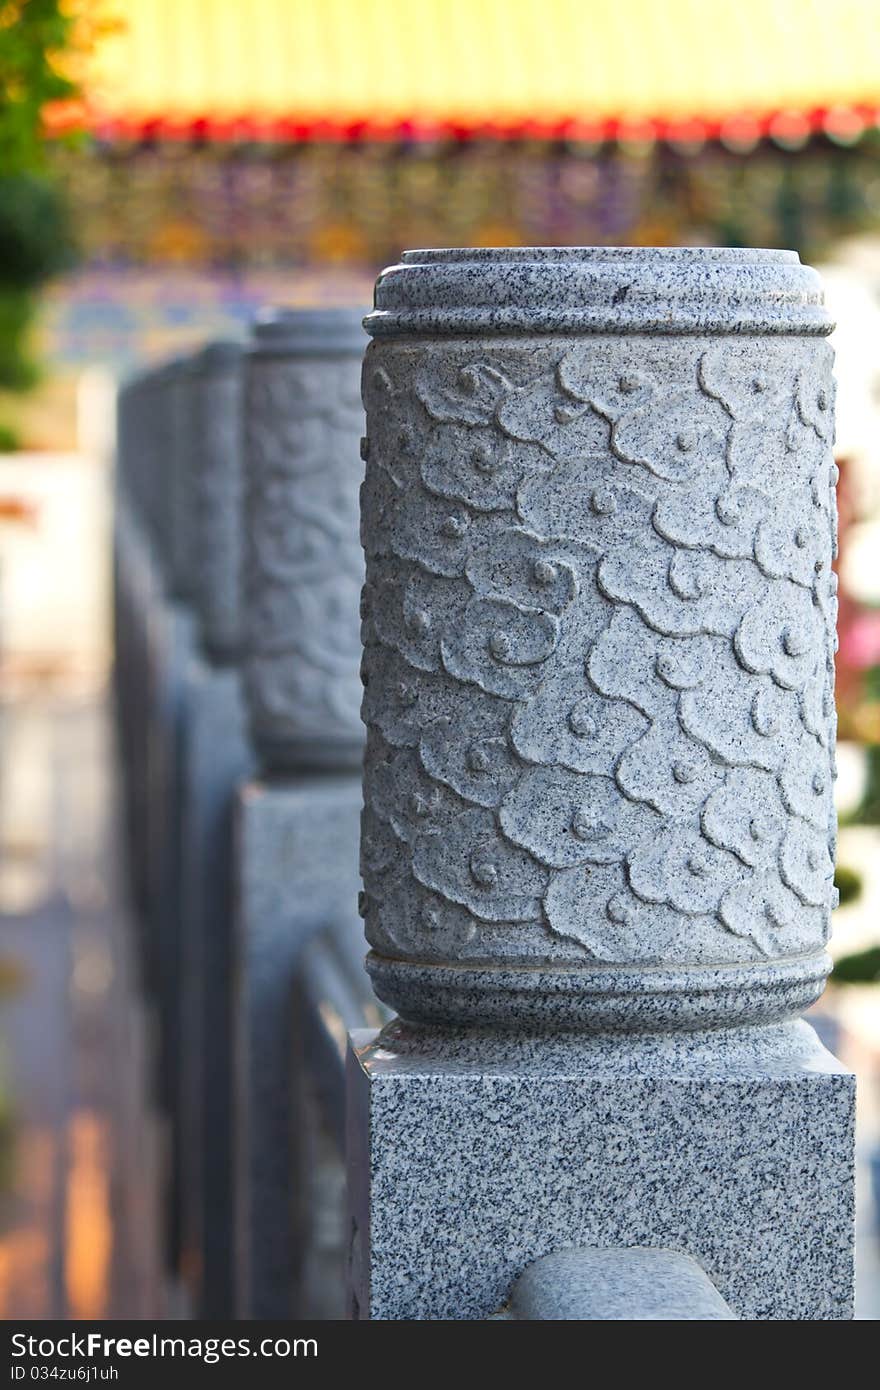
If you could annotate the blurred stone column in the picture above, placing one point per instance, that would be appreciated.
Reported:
(217, 499)
(599, 626)
(171, 643)
(216, 760)
(154, 646)
(135, 588)
(298, 821)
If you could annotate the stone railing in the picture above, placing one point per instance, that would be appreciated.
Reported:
(238, 577)
(153, 632)
(632, 1285)
(297, 820)
(597, 508)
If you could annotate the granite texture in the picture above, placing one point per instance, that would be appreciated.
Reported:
(468, 1161)
(303, 564)
(637, 1285)
(599, 622)
(296, 867)
(597, 289)
(216, 759)
(217, 498)
(626, 1000)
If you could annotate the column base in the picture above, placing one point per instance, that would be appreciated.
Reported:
(297, 871)
(601, 998)
(472, 1155)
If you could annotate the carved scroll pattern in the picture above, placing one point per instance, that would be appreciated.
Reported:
(303, 564)
(599, 626)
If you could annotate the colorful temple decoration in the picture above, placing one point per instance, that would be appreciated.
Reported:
(682, 70)
(328, 203)
(257, 144)
(244, 152)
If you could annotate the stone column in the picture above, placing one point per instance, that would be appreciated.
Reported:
(163, 457)
(159, 459)
(155, 643)
(599, 627)
(217, 498)
(134, 590)
(216, 761)
(173, 643)
(180, 478)
(304, 566)
(298, 822)
(139, 591)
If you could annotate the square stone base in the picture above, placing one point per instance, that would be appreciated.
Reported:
(297, 871)
(471, 1156)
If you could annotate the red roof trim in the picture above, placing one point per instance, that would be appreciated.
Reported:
(846, 124)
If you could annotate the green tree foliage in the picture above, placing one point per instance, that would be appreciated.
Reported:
(861, 968)
(35, 240)
(848, 883)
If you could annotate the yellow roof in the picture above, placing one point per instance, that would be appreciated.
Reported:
(470, 62)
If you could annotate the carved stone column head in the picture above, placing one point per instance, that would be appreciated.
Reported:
(181, 478)
(599, 623)
(303, 561)
(136, 480)
(153, 473)
(126, 436)
(217, 496)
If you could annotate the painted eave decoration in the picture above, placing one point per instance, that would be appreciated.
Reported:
(683, 71)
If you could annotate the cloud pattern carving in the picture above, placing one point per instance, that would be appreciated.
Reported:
(303, 565)
(598, 629)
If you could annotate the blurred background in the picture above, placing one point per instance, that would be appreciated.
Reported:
(169, 166)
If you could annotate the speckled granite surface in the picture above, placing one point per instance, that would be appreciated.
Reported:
(595, 289)
(734, 1148)
(598, 637)
(639, 1284)
(598, 621)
